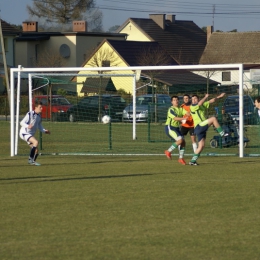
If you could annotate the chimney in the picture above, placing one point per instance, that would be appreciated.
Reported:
(171, 17)
(30, 26)
(79, 26)
(209, 31)
(159, 19)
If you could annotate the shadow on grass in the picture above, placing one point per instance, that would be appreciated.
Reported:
(127, 161)
(63, 163)
(244, 161)
(70, 178)
(25, 178)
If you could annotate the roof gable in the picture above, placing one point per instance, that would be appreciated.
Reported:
(8, 28)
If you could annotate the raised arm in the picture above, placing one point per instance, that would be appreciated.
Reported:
(218, 97)
(203, 100)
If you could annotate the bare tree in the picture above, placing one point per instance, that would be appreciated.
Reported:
(153, 56)
(207, 73)
(113, 28)
(63, 12)
(104, 57)
(94, 19)
(49, 58)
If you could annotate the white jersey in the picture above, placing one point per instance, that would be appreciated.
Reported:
(34, 119)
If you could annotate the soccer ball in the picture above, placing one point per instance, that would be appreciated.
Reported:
(106, 119)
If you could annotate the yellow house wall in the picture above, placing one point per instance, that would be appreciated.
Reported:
(54, 44)
(134, 33)
(125, 83)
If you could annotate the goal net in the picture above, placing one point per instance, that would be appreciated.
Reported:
(137, 100)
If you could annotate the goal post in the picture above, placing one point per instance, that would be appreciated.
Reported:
(133, 74)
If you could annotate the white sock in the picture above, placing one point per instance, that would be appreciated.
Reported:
(181, 153)
(195, 147)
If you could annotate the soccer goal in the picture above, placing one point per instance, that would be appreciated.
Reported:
(136, 128)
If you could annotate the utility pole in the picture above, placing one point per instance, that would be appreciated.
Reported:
(4, 61)
(213, 14)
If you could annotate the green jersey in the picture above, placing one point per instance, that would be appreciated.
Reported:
(172, 113)
(198, 112)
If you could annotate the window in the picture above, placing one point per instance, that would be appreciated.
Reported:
(226, 76)
(105, 63)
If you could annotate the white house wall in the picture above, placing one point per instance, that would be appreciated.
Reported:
(217, 76)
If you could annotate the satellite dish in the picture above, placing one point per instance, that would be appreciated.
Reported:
(65, 51)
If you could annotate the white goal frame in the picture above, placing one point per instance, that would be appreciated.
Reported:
(136, 73)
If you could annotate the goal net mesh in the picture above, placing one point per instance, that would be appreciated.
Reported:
(76, 128)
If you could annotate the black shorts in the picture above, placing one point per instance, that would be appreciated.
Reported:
(201, 131)
(186, 130)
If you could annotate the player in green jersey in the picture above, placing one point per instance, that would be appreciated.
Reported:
(172, 128)
(201, 123)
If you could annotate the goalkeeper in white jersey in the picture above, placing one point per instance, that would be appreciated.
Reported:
(29, 125)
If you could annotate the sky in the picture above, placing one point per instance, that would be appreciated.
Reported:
(224, 15)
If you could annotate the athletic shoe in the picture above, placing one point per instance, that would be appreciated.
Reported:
(224, 134)
(30, 161)
(168, 154)
(181, 161)
(36, 164)
(193, 163)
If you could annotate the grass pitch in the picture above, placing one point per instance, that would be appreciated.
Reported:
(112, 207)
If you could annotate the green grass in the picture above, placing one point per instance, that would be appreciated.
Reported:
(86, 137)
(123, 207)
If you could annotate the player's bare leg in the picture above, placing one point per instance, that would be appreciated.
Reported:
(194, 143)
(213, 121)
(201, 145)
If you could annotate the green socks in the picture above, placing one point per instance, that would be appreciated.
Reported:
(195, 157)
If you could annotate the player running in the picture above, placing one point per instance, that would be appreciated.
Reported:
(29, 125)
(172, 129)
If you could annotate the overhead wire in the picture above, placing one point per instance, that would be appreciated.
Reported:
(191, 8)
